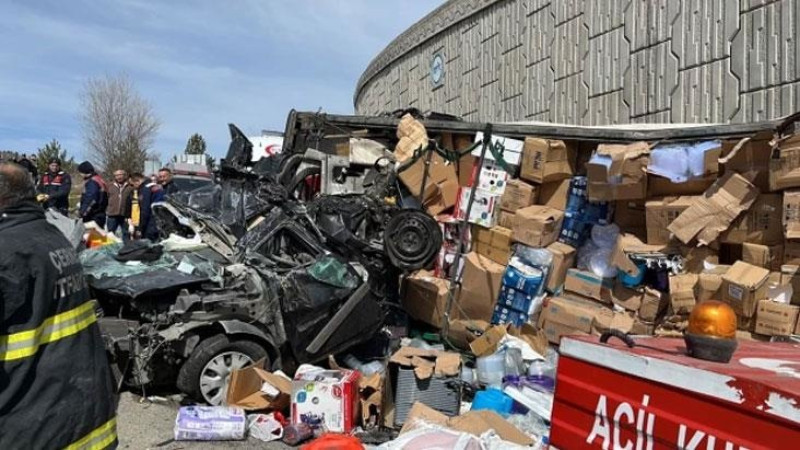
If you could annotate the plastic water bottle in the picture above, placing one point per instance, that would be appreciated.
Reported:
(605, 236)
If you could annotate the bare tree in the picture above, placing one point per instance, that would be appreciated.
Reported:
(119, 126)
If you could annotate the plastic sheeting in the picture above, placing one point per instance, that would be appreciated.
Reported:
(72, 229)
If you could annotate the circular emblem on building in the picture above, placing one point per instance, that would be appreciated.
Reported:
(437, 69)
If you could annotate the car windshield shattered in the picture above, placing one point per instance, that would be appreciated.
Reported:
(278, 261)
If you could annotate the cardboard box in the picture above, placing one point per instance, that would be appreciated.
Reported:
(372, 396)
(660, 213)
(326, 399)
(709, 284)
(576, 314)
(663, 187)
(475, 423)
(791, 252)
(480, 286)
(545, 160)
(484, 207)
(790, 274)
(750, 158)
(618, 172)
(631, 217)
(642, 328)
(412, 136)
(254, 388)
(428, 363)
(761, 224)
(512, 148)
(766, 256)
(506, 219)
(518, 194)
(538, 226)
(492, 179)
(554, 331)
(776, 319)
(654, 303)
(441, 186)
(784, 165)
(682, 292)
(588, 284)
(714, 212)
(487, 343)
(493, 243)
(554, 194)
(425, 298)
(563, 260)
(743, 286)
(459, 143)
(791, 214)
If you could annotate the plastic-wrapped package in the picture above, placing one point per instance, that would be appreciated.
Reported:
(427, 436)
(210, 423)
(264, 427)
(681, 162)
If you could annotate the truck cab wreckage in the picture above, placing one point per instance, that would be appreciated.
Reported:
(274, 272)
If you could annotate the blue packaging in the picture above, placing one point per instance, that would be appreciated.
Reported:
(506, 315)
(523, 278)
(514, 299)
(574, 231)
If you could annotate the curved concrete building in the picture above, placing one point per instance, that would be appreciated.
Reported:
(593, 62)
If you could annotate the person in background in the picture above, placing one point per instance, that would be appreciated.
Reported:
(30, 166)
(54, 187)
(94, 199)
(165, 180)
(118, 211)
(147, 193)
(56, 386)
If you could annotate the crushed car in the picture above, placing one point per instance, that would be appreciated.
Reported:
(255, 269)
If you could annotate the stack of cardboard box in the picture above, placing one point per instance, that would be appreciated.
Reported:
(697, 221)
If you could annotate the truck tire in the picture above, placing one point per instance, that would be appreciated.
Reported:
(205, 374)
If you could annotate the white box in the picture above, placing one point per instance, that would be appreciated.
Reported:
(484, 207)
(326, 399)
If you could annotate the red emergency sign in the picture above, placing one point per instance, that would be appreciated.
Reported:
(612, 397)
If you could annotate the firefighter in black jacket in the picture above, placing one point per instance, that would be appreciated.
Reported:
(56, 388)
(54, 187)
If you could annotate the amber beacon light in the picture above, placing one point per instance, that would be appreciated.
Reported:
(711, 334)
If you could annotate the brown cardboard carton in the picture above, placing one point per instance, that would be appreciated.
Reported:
(743, 286)
(372, 393)
(715, 210)
(563, 260)
(766, 256)
(630, 299)
(761, 224)
(487, 343)
(750, 158)
(661, 212)
(682, 292)
(460, 142)
(538, 226)
(493, 243)
(654, 303)
(475, 423)
(441, 186)
(695, 258)
(427, 363)
(545, 160)
(412, 137)
(791, 214)
(480, 286)
(663, 187)
(791, 252)
(628, 168)
(642, 328)
(506, 219)
(555, 331)
(784, 165)
(790, 274)
(425, 298)
(628, 243)
(776, 319)
(631, 217)
(588, 284)
(518, 194)
(554, 194)
(577, 314)
(709, 284)
(245, 389)
(462, 332)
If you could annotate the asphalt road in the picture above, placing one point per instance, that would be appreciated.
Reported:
(142, 424)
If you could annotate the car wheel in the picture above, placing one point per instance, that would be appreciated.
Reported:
(206, 373)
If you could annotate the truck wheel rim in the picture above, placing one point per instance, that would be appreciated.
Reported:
(216, 373)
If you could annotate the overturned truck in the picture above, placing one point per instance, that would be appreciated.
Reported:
(255, 269)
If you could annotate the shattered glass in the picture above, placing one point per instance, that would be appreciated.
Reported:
(334, 272)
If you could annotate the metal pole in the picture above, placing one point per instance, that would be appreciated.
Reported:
(462, 227)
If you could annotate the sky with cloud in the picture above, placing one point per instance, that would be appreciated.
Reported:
(202, 64)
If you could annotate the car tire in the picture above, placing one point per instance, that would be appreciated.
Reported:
(214, 357)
